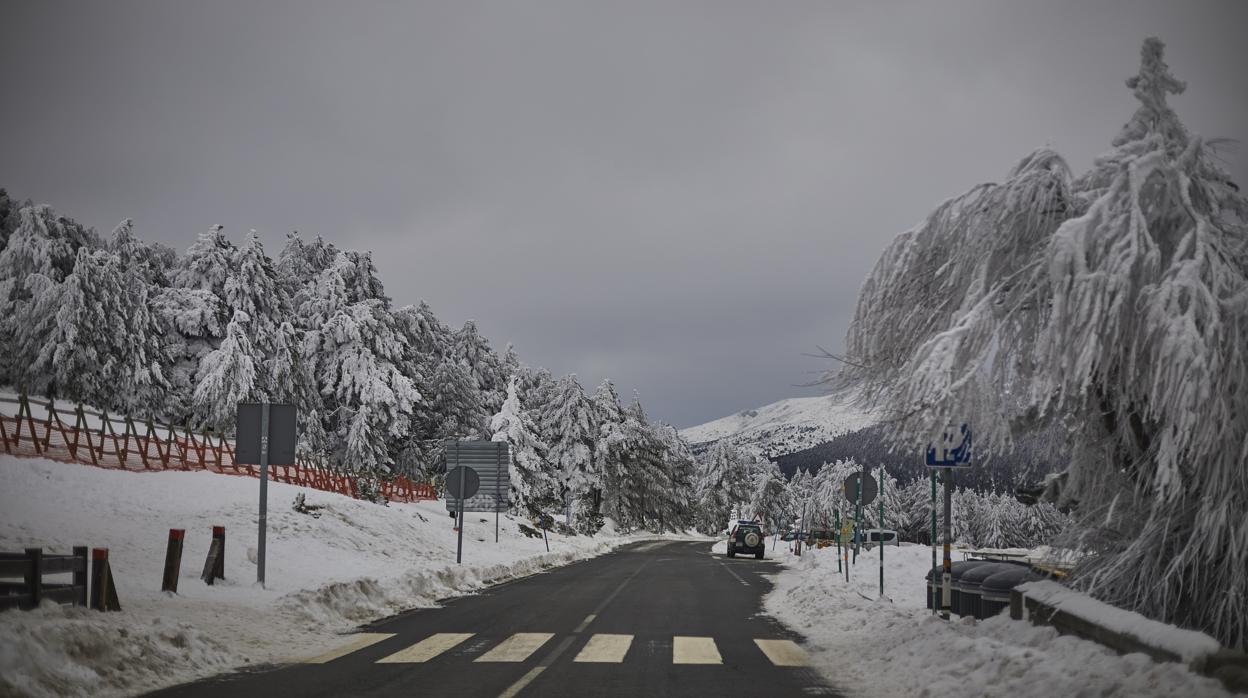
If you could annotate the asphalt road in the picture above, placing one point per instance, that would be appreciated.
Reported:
(651, 619)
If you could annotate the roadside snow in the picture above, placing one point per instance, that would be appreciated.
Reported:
(325, 575)
(872, 647)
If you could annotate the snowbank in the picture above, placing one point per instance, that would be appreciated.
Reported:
(353, 563)
(1186, 644)
(893, 647)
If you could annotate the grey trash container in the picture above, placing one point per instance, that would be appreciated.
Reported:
(955, 571)
(969, 586)
(994, 592)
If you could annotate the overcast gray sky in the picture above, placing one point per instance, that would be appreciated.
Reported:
(681, 196)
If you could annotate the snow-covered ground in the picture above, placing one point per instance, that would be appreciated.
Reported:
(786, 426)
(354, 563)
(896, 647)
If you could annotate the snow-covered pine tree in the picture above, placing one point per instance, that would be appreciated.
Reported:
(1114, 304)
(105, 348)
(40, 253)
(675, 508)
(569, 429)
(768, 497)
(1146, 353)
(353, 350)
(532, 481)
(610, 454)
(228, 375)
(473, 351)
(207, 264)
(455, 403)
(253, 288)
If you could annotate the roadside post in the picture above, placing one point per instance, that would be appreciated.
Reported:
(947, 458)
(881, 541)
(265, 435)
(837, 514)
(860, 489)
(932, 590)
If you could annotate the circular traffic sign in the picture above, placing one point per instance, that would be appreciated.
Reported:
(869, 489)
(472, 482)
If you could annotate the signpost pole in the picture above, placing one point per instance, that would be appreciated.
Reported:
(932, 591)
(947, 578)
(459, 545)
(858, 519)
(264, 491)
(498, 459)
(881, 542)
(837, 513)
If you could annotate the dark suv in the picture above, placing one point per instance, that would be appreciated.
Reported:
(746, 537)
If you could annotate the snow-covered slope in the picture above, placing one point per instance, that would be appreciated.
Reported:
(351, 563)
(785, 426)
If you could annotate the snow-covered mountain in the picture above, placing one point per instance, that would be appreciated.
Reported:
(785, 426)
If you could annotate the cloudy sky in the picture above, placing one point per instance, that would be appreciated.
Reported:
(681, 196)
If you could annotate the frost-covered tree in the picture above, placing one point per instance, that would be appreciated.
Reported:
(723, 486)
(207, 263)
(532, 484)
(353, 352)
(39, 254)
(768, 498)
(472, 350)
(611, 452)
(1117, 305)
(228, 376)
(455, 404)
(105, 347)
(568, 427)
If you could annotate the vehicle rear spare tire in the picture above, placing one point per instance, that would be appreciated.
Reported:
(751, 540)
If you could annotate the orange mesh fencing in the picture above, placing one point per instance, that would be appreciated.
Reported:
(93, 438)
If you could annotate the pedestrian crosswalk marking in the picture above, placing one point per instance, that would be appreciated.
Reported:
(695, 650)
(516, 648)
(426, 649)
(605, 649)
(358, 642)
(783, 652)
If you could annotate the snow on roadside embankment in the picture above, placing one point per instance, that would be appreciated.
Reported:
(897, 647)
(325, 575)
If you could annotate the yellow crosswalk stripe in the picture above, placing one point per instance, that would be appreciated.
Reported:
(783, 652)
(695, 650)
(516, 648)
(426, 649)
(359, 641)
(605, 648)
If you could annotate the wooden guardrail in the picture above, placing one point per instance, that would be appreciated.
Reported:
(87, 437)
(31, 566)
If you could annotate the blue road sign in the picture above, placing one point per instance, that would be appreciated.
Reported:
(954, 450)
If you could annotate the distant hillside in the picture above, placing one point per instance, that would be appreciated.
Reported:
(784, 427)
(1033, 456)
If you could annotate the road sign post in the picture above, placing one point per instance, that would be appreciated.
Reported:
(881, 541)
(947, 458)
(265, 434)
(462, 483)
(459, 545)
(932, 590)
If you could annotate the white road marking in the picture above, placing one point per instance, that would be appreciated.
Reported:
(695, 650)
(783, 652)
(605, 649)
(516, 648)
(359, 641)
(585, 623)
(525, 680)
(426, 649)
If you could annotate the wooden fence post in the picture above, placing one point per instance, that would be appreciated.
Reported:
(80, 574)
(173, 560)
(103, 593)
(218, 533)
(34, 575)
